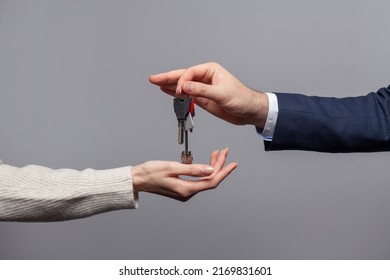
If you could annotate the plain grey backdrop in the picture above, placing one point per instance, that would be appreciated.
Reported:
(74, 93)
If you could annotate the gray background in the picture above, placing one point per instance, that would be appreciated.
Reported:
(74, 93)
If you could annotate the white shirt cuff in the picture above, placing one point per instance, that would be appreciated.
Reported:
(268, 131)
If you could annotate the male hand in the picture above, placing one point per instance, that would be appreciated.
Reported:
(217, 91)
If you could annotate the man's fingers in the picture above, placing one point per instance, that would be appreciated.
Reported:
(194, 81)
(199, 89)
(169, 91)
(202, 72)
(167, 78)
(169, 87)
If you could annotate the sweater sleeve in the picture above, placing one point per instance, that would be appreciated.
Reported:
(39, 194)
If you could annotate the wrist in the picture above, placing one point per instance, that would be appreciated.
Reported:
(136, 176)
(260, 109)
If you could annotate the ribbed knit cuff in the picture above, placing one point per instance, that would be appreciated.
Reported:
(36, 193)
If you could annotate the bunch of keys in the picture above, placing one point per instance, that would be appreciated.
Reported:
(185, 111)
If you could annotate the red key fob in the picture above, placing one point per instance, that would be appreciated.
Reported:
(192, 108)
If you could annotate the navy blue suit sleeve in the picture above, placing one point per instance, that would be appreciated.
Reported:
(328, 124)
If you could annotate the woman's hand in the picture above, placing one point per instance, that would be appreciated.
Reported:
(163, 177)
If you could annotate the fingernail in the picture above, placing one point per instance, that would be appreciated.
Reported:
(208, 170)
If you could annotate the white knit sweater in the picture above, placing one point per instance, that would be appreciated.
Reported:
(39, 194)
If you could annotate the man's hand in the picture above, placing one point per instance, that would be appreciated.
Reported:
(217, 91)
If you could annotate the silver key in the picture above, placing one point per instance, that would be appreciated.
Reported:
(181, 129)
(186, 156)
